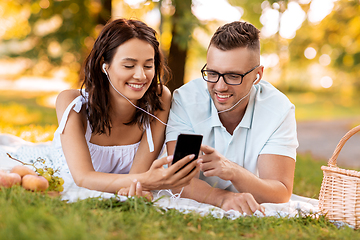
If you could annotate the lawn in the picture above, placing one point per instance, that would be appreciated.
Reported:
(28, 215)
(23, 114)
(321, 106)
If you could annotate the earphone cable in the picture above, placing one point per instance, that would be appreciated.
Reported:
(165, 124)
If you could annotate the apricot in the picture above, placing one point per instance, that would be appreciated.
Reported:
(9, 179)
(23, 170)
(35, 183)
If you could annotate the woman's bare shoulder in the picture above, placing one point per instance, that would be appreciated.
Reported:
(65, 98)
(166, 96)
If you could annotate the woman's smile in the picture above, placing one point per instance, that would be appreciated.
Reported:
(136, 86)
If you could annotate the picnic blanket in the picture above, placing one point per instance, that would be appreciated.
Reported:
(26, 151)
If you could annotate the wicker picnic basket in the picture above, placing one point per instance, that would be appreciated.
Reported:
(339, 195)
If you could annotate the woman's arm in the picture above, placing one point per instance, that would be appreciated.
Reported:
(143, 157)
(79, 160)
(75, 147)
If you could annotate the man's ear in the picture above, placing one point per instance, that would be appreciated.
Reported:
(259, 75)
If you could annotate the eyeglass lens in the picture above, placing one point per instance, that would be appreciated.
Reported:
(229, 78)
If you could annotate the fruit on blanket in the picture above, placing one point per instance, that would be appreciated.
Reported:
(54, 183)
(50, 171)
(23, 170)
(35, 183)
(47, 176)
(9, 179)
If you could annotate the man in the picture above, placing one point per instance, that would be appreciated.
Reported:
(248, 126)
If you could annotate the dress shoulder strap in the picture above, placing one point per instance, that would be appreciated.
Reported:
(149, 137)
(76, 104)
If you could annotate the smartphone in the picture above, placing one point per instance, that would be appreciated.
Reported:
(187, 144)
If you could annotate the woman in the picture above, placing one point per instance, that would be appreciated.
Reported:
(108, 143)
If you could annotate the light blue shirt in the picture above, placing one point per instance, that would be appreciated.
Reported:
(268, 126)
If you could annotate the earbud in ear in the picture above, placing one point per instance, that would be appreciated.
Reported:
(257, 78)
(104, 68)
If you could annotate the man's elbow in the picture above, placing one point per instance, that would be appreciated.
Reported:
(283, 197)
(279, 195)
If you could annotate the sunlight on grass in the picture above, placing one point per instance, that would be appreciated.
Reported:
(308, 176)
(31, 115)
(31, 133)
(18, 114)
(47, 101)
(318, 106)
(25, 114)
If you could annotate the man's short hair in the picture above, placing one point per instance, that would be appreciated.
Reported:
(236, 34)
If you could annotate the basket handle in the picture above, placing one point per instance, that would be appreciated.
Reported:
(349, 134)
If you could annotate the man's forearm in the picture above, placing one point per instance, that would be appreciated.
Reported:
(263, 190)
(275, 181)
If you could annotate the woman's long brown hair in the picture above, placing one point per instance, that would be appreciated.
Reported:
(96, 84)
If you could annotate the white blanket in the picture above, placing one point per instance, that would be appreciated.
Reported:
(26, 151)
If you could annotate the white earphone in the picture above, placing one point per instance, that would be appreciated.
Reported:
(103, 67)
(257, 78)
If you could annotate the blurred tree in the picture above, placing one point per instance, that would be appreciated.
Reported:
(183, 23)
(58, 34)
(252, 10)
(105, 12)
(336, 41)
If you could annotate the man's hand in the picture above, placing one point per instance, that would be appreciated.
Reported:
(215, 164)
(242, 202)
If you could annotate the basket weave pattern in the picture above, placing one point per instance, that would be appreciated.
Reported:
(339, 195)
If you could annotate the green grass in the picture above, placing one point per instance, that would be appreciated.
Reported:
(23, 114)
(308, 176)
(320, 106)
(28, 215)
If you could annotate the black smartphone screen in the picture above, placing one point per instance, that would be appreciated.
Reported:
(187, 144)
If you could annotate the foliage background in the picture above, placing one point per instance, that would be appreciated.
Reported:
(52, 37)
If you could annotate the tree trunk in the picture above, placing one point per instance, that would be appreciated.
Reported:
(176, 61)
(105, 13)
(182, 26)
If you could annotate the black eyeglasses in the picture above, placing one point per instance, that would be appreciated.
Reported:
(229, 78)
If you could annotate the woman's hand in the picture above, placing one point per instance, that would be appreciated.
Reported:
(135, 189)
(158, 177)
